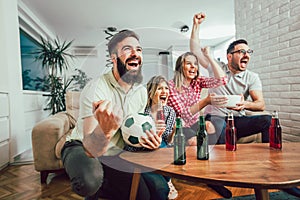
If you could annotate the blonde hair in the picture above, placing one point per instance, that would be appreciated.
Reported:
(152, 87)
(178, 74)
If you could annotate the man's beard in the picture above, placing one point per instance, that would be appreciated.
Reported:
(236, 67)
(129, 76)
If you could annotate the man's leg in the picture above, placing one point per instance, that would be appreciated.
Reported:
(218, 138)
(157, 185)
(85, 173)
(293, 191)
(219, 124)
(249, 125)
(118, 175)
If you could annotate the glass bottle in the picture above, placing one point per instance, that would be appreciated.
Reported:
(179, 144)
(202, 140)
(230, 133)
(160, 112)
(275, 136)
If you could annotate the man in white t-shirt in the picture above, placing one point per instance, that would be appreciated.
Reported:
(241, 81)
(104, 103)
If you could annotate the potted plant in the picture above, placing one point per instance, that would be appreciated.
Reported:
(55, 57)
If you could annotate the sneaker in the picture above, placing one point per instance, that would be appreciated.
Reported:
(173, 192)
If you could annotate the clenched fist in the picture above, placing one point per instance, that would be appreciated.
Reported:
(199, 18)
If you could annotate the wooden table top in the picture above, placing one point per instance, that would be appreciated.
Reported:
(253, 165)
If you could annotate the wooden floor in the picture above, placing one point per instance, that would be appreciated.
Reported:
(22, 182)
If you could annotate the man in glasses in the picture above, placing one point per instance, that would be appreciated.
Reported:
(241, 81)
(246, 83)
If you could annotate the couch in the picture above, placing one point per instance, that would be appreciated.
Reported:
(49, 135)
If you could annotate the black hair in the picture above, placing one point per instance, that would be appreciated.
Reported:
(234, 43)
(118, 37)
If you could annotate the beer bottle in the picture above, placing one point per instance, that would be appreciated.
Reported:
(160, 112)
(179, 144)
(275, 136)
(202, 140)
(230, 133)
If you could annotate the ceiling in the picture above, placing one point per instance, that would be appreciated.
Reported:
(158, 22)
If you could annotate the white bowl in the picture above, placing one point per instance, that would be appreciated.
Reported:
(233, 100)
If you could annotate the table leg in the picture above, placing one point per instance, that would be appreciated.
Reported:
(135, 183)
(261, 194)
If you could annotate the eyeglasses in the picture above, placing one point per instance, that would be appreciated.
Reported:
(243, 51)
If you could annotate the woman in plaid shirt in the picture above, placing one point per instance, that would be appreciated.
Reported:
(185, 89)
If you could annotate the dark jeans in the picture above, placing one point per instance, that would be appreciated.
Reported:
(245, 126)
(192, 131)
(111, 173)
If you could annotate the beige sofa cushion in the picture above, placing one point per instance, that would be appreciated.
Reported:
(45, 135)
(72, 103)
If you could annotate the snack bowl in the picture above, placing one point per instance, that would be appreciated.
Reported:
(232, 100)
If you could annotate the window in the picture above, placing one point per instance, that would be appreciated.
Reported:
(33, 74)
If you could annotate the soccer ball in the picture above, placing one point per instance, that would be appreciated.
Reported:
(134, 127)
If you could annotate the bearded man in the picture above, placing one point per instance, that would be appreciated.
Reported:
(91, 152)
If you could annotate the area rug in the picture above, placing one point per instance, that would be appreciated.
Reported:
(273, 196)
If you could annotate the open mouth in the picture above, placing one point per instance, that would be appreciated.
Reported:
(244, 62)
(163, 99)
(133, 62)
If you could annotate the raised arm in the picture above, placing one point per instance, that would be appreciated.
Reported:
(217, 70)
(195, 41)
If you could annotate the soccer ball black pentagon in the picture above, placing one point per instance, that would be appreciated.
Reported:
(134, 127)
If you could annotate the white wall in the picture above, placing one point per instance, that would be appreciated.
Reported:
(272, 29)
(25, 108)
(11, 75)
(220, 50)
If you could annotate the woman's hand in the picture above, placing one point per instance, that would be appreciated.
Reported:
(153, 140)
(206, 51)
(217, 100)
(160, 124)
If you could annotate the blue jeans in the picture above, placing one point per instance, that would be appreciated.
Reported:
(157, 185)
(245, 126)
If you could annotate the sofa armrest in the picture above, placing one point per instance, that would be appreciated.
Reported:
(45, 135)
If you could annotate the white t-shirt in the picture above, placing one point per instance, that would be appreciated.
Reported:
(107, 88)
(241, 83)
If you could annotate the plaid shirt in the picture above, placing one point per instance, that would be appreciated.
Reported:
(182, 101)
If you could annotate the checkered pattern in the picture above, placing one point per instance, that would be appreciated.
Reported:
(182, 101)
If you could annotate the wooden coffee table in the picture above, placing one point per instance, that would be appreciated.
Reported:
(253, 165)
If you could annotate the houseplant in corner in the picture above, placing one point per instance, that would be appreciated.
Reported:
(55, 58)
